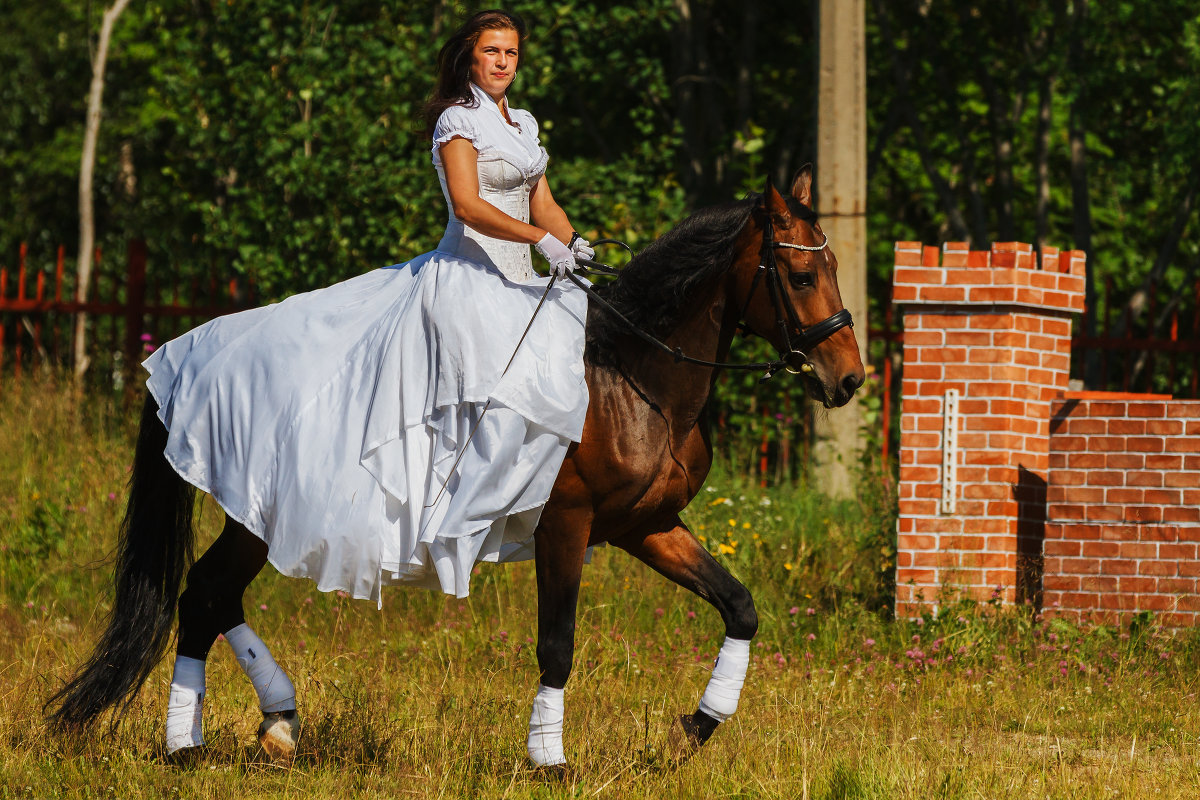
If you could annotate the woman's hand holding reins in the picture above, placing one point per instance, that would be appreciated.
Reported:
(581, 247)
(562, 260)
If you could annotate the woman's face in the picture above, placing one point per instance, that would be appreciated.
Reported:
(494, 61)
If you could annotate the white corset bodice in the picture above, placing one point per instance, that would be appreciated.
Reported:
(507, 187)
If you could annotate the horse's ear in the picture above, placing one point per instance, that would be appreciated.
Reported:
(776, 206)
(802, 185)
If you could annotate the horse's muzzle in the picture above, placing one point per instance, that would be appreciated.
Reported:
(846, 388)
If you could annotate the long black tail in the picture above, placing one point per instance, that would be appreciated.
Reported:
(154, 552)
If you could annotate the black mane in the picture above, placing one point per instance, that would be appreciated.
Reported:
(652, 291)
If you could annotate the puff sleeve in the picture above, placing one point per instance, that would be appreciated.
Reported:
(455, 121)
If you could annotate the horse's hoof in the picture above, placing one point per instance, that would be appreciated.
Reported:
(278, 734)
(186, 757)
(686, 737)
(556, 773)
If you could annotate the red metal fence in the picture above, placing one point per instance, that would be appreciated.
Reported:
(129, 311)
(1158, 353)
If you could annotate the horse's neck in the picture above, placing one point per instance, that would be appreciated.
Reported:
(680, 390)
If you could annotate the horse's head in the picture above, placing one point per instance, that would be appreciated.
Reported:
(786, 277)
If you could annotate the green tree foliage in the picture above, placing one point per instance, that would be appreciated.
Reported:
(283, 140)
(44, 74)
(973, 109)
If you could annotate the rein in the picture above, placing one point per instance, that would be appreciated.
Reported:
(676, 353)
(794, 360)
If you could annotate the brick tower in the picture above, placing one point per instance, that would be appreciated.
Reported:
(987, 347)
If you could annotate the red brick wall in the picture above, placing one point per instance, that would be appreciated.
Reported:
(1087, 504)
(992, 326)
(1123, 508)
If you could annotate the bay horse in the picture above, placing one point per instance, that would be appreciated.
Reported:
(761, 263)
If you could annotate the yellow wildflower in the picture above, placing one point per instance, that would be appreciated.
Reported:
(788, 566)
(725, 549)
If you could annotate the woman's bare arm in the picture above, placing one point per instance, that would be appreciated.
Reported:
(547, 213)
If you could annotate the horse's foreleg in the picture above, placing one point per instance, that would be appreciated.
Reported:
(560, 554)
(674, 553)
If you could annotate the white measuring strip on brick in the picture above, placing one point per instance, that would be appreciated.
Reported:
(950, 452)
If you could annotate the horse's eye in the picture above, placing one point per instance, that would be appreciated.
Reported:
(802, 279)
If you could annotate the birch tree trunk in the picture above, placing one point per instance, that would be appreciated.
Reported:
(87, 166)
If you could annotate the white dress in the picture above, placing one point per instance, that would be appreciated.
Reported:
(329, 423)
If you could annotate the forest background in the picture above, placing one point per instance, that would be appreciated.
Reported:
(282, 141)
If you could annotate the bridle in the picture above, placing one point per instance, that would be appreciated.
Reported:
(794, 359)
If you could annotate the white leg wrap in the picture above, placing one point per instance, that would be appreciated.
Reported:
(724, 688)
(185, 708)
(271, 683)
(546, 727)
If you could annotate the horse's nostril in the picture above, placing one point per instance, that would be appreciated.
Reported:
(851, 382)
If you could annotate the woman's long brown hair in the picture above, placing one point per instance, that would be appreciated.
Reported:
(453, 85)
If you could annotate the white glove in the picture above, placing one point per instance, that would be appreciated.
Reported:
(561, 259)
(581, 247)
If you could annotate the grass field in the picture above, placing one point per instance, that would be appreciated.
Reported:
(430, 697)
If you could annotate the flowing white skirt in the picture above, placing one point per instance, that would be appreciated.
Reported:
(329, 424)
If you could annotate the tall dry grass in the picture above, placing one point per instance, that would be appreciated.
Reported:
(430, 697)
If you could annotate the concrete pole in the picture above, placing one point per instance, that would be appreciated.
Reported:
(842, 204)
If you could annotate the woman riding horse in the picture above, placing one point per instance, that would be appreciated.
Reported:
(378, 432)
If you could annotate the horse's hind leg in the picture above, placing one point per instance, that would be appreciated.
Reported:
(212, 604)
(674, 552)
